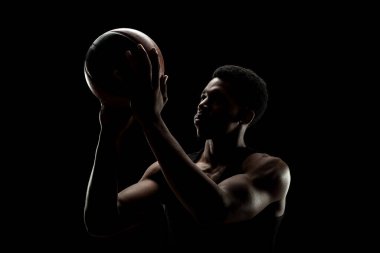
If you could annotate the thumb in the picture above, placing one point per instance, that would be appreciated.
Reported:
(163, 87)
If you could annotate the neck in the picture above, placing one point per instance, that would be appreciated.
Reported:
(219, 149)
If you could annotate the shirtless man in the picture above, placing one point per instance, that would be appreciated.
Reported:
(226, 196)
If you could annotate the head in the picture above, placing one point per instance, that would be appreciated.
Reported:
(236, 97)
(249, 90)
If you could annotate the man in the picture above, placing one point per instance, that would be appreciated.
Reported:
(226, 196)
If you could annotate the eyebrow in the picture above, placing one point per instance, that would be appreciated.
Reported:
(216, 90)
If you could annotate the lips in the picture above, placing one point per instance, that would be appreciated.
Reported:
(199, 117)
(196, 118)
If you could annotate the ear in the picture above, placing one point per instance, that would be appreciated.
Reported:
(247, 116)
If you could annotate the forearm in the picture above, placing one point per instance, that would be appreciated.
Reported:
(102, 190)
(194, 189)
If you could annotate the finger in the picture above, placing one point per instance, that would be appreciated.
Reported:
(143, 61)
(163, 87)
(153, 54)
(129, 57)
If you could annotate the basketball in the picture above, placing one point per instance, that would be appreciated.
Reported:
(104, 57)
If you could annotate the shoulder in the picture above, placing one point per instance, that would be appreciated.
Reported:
(152, 172)
(262, 163)
(265, 167)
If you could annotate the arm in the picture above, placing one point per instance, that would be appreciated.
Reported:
(194, 189)
(199, 194)
(106, 211)
(265, 181)
(234, 199)
(237, 198)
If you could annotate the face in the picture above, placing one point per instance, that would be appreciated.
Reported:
(217, 112)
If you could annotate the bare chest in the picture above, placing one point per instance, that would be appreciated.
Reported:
(215, 173)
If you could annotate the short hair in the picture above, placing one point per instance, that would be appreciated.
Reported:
(249, 89)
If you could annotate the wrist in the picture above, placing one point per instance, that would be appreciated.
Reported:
(151, 121)
(115, 118)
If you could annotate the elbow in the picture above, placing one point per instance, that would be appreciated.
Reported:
(101, 231)
(98, 229)
(95, 233)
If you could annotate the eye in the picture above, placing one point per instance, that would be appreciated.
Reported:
(218, 98)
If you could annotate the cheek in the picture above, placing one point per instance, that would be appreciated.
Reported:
(224, 115)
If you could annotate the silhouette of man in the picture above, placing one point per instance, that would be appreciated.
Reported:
(225, 196)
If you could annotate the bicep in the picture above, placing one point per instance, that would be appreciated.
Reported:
(142, 194)
(144, 191)
(267, 180)
(243, 199)
(139, 202)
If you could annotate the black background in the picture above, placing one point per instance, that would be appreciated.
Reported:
(304, 53)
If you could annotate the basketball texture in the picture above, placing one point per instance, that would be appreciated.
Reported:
(104, 57)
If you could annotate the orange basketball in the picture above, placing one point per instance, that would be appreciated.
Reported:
(105, 55)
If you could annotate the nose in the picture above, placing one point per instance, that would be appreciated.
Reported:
(203, 103)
